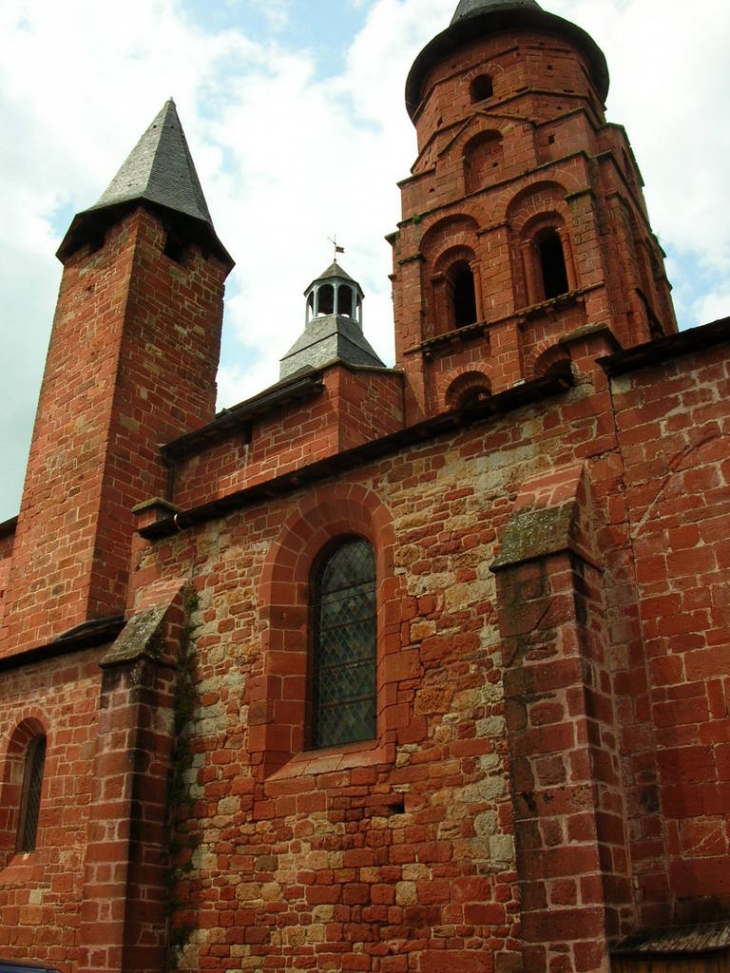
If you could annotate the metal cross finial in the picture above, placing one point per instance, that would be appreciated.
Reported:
(338, 249)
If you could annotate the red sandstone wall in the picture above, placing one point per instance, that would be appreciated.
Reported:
(429, 845)
(674, 432)
(401, 851)
(487, 173)
(131, 364)
(6, 549)
(354, 407)
(550, 768)
(41, 892)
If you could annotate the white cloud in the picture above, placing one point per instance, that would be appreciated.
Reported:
(288, 159)
(669, 78)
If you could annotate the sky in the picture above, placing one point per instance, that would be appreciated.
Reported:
(294, 113)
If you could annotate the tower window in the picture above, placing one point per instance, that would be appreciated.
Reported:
(343, 695)
(35, 759)
(481, 88)
(552, 264)
(464, 296)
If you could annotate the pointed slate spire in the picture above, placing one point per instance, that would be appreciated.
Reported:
(159, 171)
(480, 18)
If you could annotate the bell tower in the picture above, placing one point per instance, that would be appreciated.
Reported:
(523, 219)
(131, 364)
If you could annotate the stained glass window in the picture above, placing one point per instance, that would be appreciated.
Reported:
(32, 783)
(345, 647)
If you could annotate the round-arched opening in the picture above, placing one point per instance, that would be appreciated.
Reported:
(337, 298)
(345, 302)
(463, 295)
(552, 263)
(326, 299)
(468, 392)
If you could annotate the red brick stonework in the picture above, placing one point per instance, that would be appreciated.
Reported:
(542, 483)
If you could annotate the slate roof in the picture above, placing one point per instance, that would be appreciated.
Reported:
(327, 339)
(469, 8)
(702, 938)
(335, 272)
(159, 171)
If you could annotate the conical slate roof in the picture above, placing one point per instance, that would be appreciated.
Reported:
(335, 272)
(160, 171)
(480, 18)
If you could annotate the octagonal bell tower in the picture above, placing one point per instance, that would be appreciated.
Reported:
(523, 219)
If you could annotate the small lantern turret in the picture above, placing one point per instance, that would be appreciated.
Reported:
(332, 325)
(335, 292)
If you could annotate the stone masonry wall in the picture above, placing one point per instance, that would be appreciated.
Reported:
(674, 432)
(149, 328)
(41, 891)
(400, 853)
(354, 406)
(397, 854)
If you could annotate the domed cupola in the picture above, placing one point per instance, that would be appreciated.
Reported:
(333, 325)
(479, 18)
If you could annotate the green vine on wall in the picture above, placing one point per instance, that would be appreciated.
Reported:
(183, 841)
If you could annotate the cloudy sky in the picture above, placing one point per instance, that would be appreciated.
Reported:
(294, 113)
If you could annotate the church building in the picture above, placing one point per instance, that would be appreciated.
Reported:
(409, 669)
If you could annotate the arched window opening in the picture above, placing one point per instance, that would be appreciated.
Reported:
(481, 88)
(552, 264)
(343, 678)
(327, 299)
(344, 301)
(468, 392)
(463, 296)
(30, 806)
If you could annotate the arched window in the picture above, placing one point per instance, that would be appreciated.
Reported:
(463, 295)
(481, 88)
(552, 264)
(343, 676)
(327, 299)
(30, 805)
